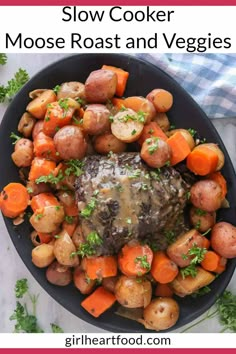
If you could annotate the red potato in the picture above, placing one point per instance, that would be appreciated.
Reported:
(163, 121)
(109, 283)
(161, 99)
(202, 220)
(155, 152)
(96, 119)
(100, 86)
(26, 125)
(58, 274)
(188, 285)
(162, 313)
(107, 142)
(126, 126)
(223, 239)
(84, 284)
(38, 106)
(141, 104)
(43, 255)
(72, 89)
(24, 153)
(38, 128)
(70, 143)
(182, 245)
(130, 293)
(78, 237)
(206, 195)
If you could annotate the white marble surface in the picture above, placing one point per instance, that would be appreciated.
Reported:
(12, 267)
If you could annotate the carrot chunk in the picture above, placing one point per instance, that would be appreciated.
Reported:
(100, 267)
(150, 130)
(14, 199)
(122, 77)
(180, 148)
(44, 147)
(43, 200)
(98, 302)
(213, 262)
(163, 270)
(135, 259)
(41, 167)
(117, 103)
(202, 161)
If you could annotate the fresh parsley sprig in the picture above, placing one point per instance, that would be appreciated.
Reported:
(3, 58)
(14, 85)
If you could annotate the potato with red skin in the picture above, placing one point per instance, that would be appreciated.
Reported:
(26, 125)
(107, 142)
(206, 195)
(78, 237)
(84, 284)
(72, 89)
(70, 142)
(96, 119)
(38, 128)
(182, 245)
(130, 293)
(23, 153)
(100, 86)
(126, 126)
(109, 283)
(155, 152)
(58, 274)
(162, 313)
(38, 106)
(161, 99)
(201, 219)
(163, 121)
(223, 239)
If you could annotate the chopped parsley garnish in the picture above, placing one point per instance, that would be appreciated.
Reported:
(88, 210)
(189, 270)
(156, 174)
(170, 236)
(63, 103)
(13, 85)
(198, 254)
(50, 178)
(80, 101)
(56, 89)
(15, 137)
(129, 221)
(144, 186)
(89, 248)
(133, 132)
(143, 262)
(3, 58)
(197, 225)
(38, 216)
(201, 292)
(193, 132)
(69, 219)
(74, 167)
(21, 288)
(153, 145)
(135, 174)
(200, 212)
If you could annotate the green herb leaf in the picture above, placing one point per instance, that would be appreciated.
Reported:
(15, 84)
(89, 248)
(3, 58)
(88, 210)
(50, 178)
(143, 262)
(56, 329)
(189, 270)
(200, 212)
(74, 167)
(15, 137)
(21, 288)
(56, 89)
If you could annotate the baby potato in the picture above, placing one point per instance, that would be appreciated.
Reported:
(26, 125)
(38, 106)
(43, 255)
(58, 274)
(109, 283)
(47, 219)
(38, 128)
(100, 86)
(107, 142)
(163, 121)
(187, 136)
(72, 89)
(126, 126)
(84, 284)
(188, 285)
(217, 150)
(162, 313)
(63, 248)
(161, 99)
(223, 239)
(24, 153)
(78, 237)
(182, 245)
(96, 119)
(141, 104)
(70, 142)
(132, 294)
(206, 195)
(155, 152)
(201, 219)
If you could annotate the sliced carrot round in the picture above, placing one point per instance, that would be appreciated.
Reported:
(14, 199)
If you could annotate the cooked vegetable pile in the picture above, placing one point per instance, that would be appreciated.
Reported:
(100, 174)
